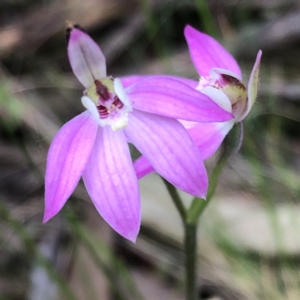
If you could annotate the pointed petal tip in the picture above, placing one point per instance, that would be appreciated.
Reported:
(253, 86)
(258, 58)
(200, 187)
(45, 220)
(70, 27)
(86, 58)
(47, 216)
(207, 53)
(116, 196)
(73, 33)
(130, 233)
(51, 210)
(129, 230)
(201, 193)
(188, 29)
(132, 237)
(66, 160)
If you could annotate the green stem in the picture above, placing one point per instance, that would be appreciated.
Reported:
(198, 205)
(190, 243)
(232, 144)
(176, 199)
(190, 250)
(191, 216)
(190, 231)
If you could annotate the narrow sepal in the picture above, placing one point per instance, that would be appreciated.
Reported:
(253, 85)
(67, 157)
(86, 58)
(171, 98)
(209, 136)
(206, 53)
(129, 80)
(112, 184)
(169, 149)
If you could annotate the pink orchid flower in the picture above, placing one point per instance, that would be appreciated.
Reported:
(220, 79)
(94, 144)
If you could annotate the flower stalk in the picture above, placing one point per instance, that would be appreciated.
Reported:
(191, 216)
(190, 251)
(176, 200)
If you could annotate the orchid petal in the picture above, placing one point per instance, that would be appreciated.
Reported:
(171, 98)
(142, 167)
(209, 136)
(86, 58)
(129, 80)
(67, 157)
(169, 149)
(253, 85)
(218, 97)
(112, 184)
(121, 93)
(206, 53)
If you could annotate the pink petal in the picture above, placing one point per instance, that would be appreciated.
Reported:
(112, 184)
(171, 98)
(207, 53)
(142, 167)
(209, 136)
(169, 149)
(129, 80)
(67, 157)
(253, 85)
(86, 58)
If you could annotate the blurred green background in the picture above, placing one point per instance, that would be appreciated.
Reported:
(249, 236)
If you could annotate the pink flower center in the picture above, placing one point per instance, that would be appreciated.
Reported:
(107, 101)
(104, 111)
(231, 86)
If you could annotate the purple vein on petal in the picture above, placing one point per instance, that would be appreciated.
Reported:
(206, 53)
(67, 157)
(86, 58)
(169, 149)
(171, 98)
(129, 80)
(112, 183)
